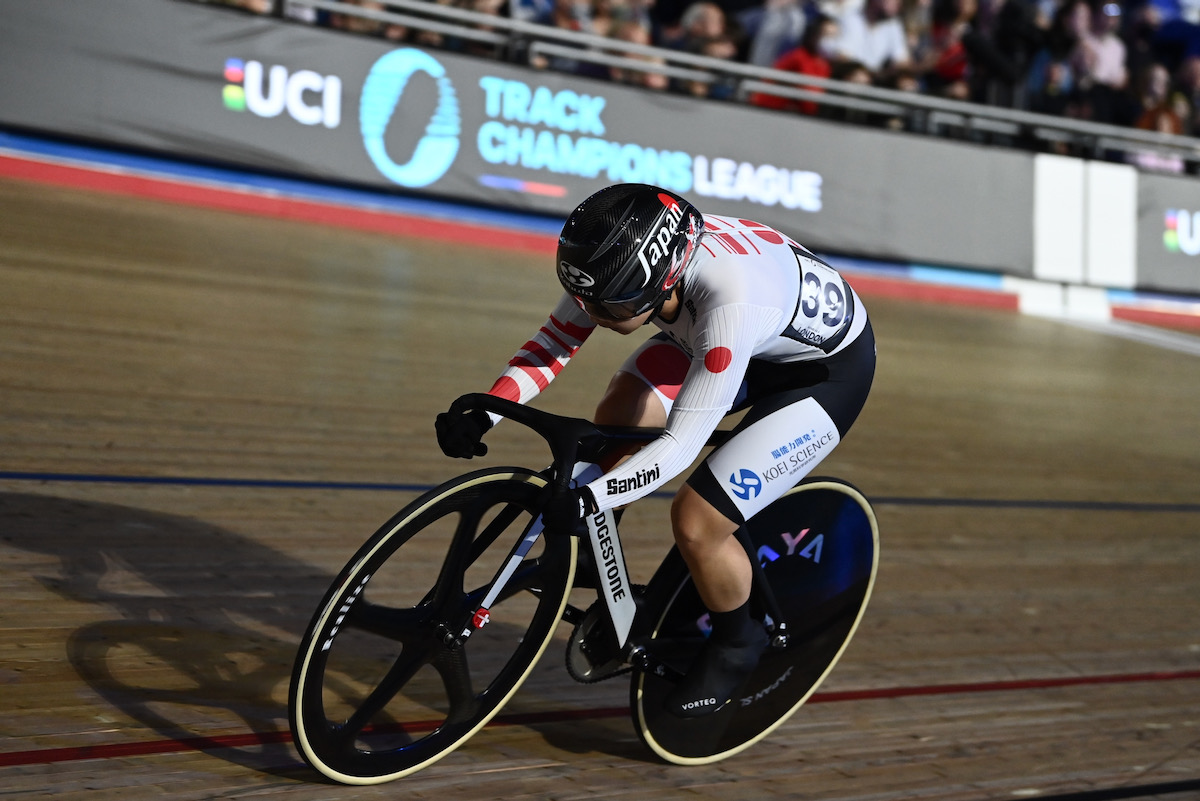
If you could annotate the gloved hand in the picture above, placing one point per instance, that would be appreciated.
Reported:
(565, 512)
(460, 435)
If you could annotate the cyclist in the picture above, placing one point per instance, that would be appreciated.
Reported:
(748, 319)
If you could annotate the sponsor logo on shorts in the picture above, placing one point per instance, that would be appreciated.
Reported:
(746, 484)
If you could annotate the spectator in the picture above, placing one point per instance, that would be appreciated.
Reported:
(851, 72)
(963, 62)
(1187, 96)
(568, 15)
(721, 47)
(703, 20)
(917, 19)
(1153, 91)
(1098, 59)
(1017, 33)
(606, 15)
(493, 8)
(637, 32)
(530, 10)
(1162, 119)
(945, 64)
(809, 58)
(353, 23)
(874, 37)
(1051, 84)
(777, 29)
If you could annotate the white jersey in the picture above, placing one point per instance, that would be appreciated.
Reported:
(749, 293)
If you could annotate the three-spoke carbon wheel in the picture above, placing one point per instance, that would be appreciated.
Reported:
(380, 688)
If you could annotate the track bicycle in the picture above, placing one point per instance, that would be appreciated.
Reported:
(400, 664)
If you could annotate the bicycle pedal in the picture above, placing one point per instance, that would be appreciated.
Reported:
(592, 655)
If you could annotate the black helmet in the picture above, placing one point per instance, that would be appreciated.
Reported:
(623, 249)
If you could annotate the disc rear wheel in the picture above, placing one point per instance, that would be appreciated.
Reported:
(818, 545)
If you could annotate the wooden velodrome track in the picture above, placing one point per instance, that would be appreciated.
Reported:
(203, 414)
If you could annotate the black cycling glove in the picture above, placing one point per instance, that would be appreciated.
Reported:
(461, 435)
(565, 512)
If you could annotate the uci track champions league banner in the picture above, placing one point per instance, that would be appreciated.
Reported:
(480, 130)
(538, 139)
(186, 79)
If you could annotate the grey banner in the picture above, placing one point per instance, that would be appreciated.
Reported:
(1168, 233)
(189, 80)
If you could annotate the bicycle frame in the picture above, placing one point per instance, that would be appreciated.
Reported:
(574, 442)
(341, 695)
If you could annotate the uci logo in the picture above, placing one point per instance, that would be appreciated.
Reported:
(574, 276)
(381, 94)
(746, 484)
(1182, 232)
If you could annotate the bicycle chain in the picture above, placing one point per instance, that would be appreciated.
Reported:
(577, 642)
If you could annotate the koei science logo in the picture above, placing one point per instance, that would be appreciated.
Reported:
(308, 97)
(381, 96)
(1181, 232)
(746, 484)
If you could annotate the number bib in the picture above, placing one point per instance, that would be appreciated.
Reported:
(825, 307)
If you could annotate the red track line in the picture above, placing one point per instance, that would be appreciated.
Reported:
(1162, 319)
(264, 204)
(78, 753)
(867, 286)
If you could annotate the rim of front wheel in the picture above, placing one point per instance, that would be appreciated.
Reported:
(377, 692)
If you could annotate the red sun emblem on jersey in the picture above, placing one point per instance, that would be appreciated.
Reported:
(718, 360)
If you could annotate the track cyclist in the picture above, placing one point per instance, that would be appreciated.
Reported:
(748, 320)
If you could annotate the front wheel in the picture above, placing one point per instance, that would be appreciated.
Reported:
(818, 546)
(378, 689)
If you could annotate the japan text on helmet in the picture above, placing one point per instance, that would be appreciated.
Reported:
(623, 250)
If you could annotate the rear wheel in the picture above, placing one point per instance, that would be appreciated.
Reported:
(818, 545)
(377, 691)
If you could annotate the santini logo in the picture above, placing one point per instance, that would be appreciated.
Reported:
(642, 478)
(1182, 232)
(308, 98)
(381, 96)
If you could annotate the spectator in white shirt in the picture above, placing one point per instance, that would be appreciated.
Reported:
(874, 36)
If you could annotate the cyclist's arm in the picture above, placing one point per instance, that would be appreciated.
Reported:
(722, 354)
(543, 357)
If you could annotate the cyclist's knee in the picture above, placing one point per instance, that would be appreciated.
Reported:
(696, 524)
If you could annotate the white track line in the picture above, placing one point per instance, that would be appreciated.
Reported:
(1146, 334)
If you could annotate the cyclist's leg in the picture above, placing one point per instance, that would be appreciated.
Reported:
(716, 560)
(723, 577)
(787, 430)
(785, 434)
(643, 389)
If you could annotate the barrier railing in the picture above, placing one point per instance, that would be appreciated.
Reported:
(518, 41)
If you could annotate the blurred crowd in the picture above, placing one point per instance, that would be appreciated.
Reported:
(1133, 63)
